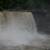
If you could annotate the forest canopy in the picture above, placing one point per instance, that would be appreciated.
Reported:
(24, 4)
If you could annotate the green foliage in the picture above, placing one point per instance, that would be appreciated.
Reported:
(9, 4)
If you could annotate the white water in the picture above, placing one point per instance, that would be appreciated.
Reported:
(20, 29)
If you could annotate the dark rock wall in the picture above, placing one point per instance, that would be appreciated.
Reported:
(42, 20)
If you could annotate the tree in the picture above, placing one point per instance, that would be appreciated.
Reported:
(9, 4)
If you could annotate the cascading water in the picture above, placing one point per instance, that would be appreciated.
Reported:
(19, 29)
(38, 38)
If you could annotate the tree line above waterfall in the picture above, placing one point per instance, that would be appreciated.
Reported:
(23, 4)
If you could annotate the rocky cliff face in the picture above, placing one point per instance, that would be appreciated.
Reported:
(43, 20)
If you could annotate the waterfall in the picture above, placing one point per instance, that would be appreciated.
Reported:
(34, 26)
(18, 30)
